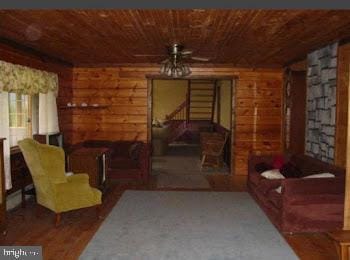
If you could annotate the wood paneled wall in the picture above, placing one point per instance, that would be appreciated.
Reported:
(25, 58)
(343, 82)
(123, 90)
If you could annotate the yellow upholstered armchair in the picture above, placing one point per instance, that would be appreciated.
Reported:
(55, 190)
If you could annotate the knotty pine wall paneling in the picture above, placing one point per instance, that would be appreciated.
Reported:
(123, 90)
(64, 71)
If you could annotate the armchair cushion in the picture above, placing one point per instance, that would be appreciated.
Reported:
(53, 162)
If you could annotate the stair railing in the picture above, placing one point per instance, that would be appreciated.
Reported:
(181, 113)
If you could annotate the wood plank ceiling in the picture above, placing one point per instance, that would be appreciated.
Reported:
(247, 38)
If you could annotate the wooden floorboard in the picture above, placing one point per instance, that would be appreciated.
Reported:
(77, 227)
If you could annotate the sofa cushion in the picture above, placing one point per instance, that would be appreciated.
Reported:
(123, 163)
(290, 170)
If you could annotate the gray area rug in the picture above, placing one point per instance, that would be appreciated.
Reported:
(152, 225)
(181, 168)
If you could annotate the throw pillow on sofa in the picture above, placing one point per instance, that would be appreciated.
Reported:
(272, 174)
(261, 167)
(278, 161)
(289, 170)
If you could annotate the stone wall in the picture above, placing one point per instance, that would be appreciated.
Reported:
(321, 103)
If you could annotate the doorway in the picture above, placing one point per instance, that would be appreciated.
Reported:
(180, 111)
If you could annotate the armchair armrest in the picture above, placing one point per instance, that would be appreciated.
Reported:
(309, 186)
(71, 187)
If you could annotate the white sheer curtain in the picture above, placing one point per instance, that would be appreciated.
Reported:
(5, 133)
(48, 117)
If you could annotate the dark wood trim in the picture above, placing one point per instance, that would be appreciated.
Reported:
(218, 100)
(234, 85)
(149, 109)
(157, 65)
(3, 214)
(157, 76)
(39, 54)
(344, 41)
(214, 101)
(188, 97)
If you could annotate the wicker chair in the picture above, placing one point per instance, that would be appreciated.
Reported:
(212, 147)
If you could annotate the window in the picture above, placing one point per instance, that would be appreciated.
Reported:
(21, 114)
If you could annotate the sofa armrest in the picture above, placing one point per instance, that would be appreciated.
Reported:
(308, 186)
(143, 161)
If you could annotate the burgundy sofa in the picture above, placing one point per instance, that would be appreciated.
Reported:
(124, 160)
(304, 205)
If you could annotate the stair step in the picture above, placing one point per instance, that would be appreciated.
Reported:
(200, 112)
(208, 89)
(201, 95)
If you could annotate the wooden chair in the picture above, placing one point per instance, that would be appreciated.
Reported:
(212, 145)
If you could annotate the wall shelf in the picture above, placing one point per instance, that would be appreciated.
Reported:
(84, 107)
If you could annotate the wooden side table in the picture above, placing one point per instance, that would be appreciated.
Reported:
(90, 161)
(342, 242)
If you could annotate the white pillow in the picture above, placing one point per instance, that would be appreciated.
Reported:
(279, 189)
(272, 174)
(321, 175)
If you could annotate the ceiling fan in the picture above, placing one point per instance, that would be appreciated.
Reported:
(173, 65)
(176, 50)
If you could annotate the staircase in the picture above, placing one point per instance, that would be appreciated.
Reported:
(202, 99)
(198, 108)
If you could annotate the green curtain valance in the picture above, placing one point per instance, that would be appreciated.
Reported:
(25, 80)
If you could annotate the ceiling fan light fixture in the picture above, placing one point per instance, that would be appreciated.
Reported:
(175, 68)
(173, 65)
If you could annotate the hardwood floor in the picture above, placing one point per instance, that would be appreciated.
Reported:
(77, 227)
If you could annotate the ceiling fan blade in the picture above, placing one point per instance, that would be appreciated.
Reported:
(200, 58)
(186, 52)
(149, 55)
(164, 61)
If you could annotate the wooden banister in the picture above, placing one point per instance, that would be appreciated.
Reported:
(180, 113)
